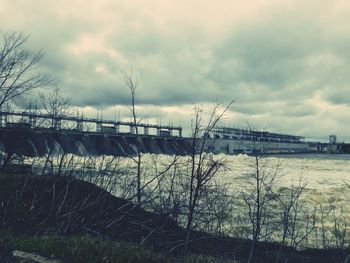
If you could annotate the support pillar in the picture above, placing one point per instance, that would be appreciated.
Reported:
(98, 126)
(158, 131)
(132, 129)
(116, 127)
(32, 121)
(3, 120)
(146, 130)
(56, 123)
(80, 126)
(180, 132)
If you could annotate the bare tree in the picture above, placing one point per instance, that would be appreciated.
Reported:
(18, 67)
(132, 82)
(54, 104)
(258, 193)
(203, 166)
(289, 200)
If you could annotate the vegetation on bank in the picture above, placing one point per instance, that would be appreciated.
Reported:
(32, 222)
(89, 249)
(77, 221)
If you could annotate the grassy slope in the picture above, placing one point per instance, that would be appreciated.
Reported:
(88, 249)
(60, 212)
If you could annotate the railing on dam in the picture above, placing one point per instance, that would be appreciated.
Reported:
(30, 119)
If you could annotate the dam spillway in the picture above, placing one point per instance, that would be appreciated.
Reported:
(43, 141)
(38, 134)
(34, 133)
(40, 142)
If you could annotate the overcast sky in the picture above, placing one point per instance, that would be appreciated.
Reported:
(285, 63)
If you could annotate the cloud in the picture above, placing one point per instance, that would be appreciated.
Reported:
(274, 58)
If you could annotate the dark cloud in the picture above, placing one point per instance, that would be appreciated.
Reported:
(288, 68)
(337, 94)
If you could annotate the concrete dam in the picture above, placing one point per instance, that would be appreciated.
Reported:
(38, 134)
(40, 142)
(34, 133)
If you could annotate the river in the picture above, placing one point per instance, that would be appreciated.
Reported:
(326, 195)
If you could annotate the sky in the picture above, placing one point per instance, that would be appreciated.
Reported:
(286, 64)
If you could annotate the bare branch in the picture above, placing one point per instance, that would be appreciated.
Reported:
(19, 71)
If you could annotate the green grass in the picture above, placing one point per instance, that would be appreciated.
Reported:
(85, 248)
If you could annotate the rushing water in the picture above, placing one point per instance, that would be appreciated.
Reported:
(326, 175)
(321, 171)
(327, 189)
(326, 178)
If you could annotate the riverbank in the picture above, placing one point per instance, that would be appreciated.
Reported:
(76, 221)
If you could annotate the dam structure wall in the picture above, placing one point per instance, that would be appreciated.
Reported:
(229, 140)
(233, 141)
(237, 146)
(40, 142)
(37, 134)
